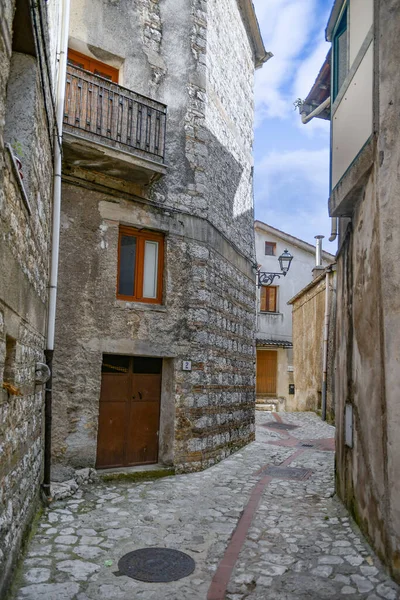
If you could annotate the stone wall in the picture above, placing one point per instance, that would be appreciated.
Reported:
(368, 356)
(24, 252)
(203, 206)
(308, 340)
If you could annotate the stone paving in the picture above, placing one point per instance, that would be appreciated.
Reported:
(253, 536)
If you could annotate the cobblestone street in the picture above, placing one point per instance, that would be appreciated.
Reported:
(253, 532)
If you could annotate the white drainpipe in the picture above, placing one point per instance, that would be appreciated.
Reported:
(55, 240)
(334, 229)
(305, 118)
(325, 346)
(62, 72)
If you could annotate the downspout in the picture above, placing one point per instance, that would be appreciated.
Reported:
(334, 229)
(325, 345)
(305, 118)
(55, 242)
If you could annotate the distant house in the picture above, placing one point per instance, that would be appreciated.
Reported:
(274, 316)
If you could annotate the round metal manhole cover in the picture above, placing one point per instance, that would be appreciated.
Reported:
(156, 565)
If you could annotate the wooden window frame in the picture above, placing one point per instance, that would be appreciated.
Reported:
(90, 64)
(269, 287)
(270, 245)
(142, 236)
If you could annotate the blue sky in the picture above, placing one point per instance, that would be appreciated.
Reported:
(291, 159)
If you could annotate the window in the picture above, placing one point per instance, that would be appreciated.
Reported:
(268, 298)
(94, 66)
(140, 265)
(340, 54)
(270, 249)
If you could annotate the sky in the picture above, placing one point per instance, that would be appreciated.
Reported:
(291, 171)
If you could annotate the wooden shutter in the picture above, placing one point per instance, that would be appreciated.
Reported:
(268, 299)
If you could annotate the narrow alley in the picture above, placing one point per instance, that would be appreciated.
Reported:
(255, 531)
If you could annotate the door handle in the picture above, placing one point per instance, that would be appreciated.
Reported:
(140, 395)
(133, 397)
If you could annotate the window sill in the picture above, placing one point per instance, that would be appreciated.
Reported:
(267, 312)
(140, 306)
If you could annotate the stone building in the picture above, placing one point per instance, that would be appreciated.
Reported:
(363, 93)
(313, 312)
(154, 354)
(27, 70)
(274, 339)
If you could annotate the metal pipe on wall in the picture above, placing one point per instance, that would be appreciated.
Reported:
(55, 242)
(318, 250)
(325, 345)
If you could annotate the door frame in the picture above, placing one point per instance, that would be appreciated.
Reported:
(267, 394)
(128, 413)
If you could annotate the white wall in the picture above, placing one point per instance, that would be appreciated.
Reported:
(354, 114)
(361, 20)
(278, 325)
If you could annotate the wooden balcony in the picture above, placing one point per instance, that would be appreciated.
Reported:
(112, 130)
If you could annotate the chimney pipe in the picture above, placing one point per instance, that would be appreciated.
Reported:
(318, 250)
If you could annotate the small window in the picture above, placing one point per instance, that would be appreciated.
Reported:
(270, 249)
(94, 66)
(140, 265)
(268, 299)
(340, 54)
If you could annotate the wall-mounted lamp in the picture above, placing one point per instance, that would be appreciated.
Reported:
(285, 260)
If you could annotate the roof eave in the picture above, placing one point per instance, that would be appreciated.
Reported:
(337, 7)
(248, 12)
(291, 239)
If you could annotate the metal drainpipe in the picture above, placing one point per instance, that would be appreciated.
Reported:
(55, 243)
(325, 346)
(334, 229)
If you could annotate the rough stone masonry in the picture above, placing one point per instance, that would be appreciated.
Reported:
(26, 119)
(198, 58)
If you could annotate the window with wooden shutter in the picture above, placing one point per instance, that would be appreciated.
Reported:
(268, 299)
(140, 265)
(94, 66)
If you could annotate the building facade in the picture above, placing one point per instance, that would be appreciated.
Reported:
(313, 313)
(364, 92)
(28, 38)
(154, 353)
(275, 379)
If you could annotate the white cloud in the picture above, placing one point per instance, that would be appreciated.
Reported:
(292, 192)
(293, 30)
(286, 26)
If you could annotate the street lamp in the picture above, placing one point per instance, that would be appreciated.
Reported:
(285, 260)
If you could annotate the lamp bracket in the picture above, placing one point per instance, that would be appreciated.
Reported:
(265, 278)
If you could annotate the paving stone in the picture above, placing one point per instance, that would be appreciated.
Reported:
(49, 591)
(79, 569)
(37, 575)
(301, 543)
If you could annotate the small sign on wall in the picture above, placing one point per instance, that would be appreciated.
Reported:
(349, 425)
(187, 365)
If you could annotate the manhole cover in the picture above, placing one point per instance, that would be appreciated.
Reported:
(156, 565)
(307, 445)
(288, 473)
(284, 426)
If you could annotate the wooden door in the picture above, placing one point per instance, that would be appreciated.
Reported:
(266, 372)
(129, 411)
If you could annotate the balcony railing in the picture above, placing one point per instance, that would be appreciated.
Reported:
(105, 112)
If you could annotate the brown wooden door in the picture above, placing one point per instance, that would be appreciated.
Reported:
(129, 412)
(266, 372)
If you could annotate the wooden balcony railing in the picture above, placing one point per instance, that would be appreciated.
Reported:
(105, 112)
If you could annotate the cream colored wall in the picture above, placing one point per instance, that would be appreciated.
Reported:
(354, 114)
(282, 383)
(361, 20)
